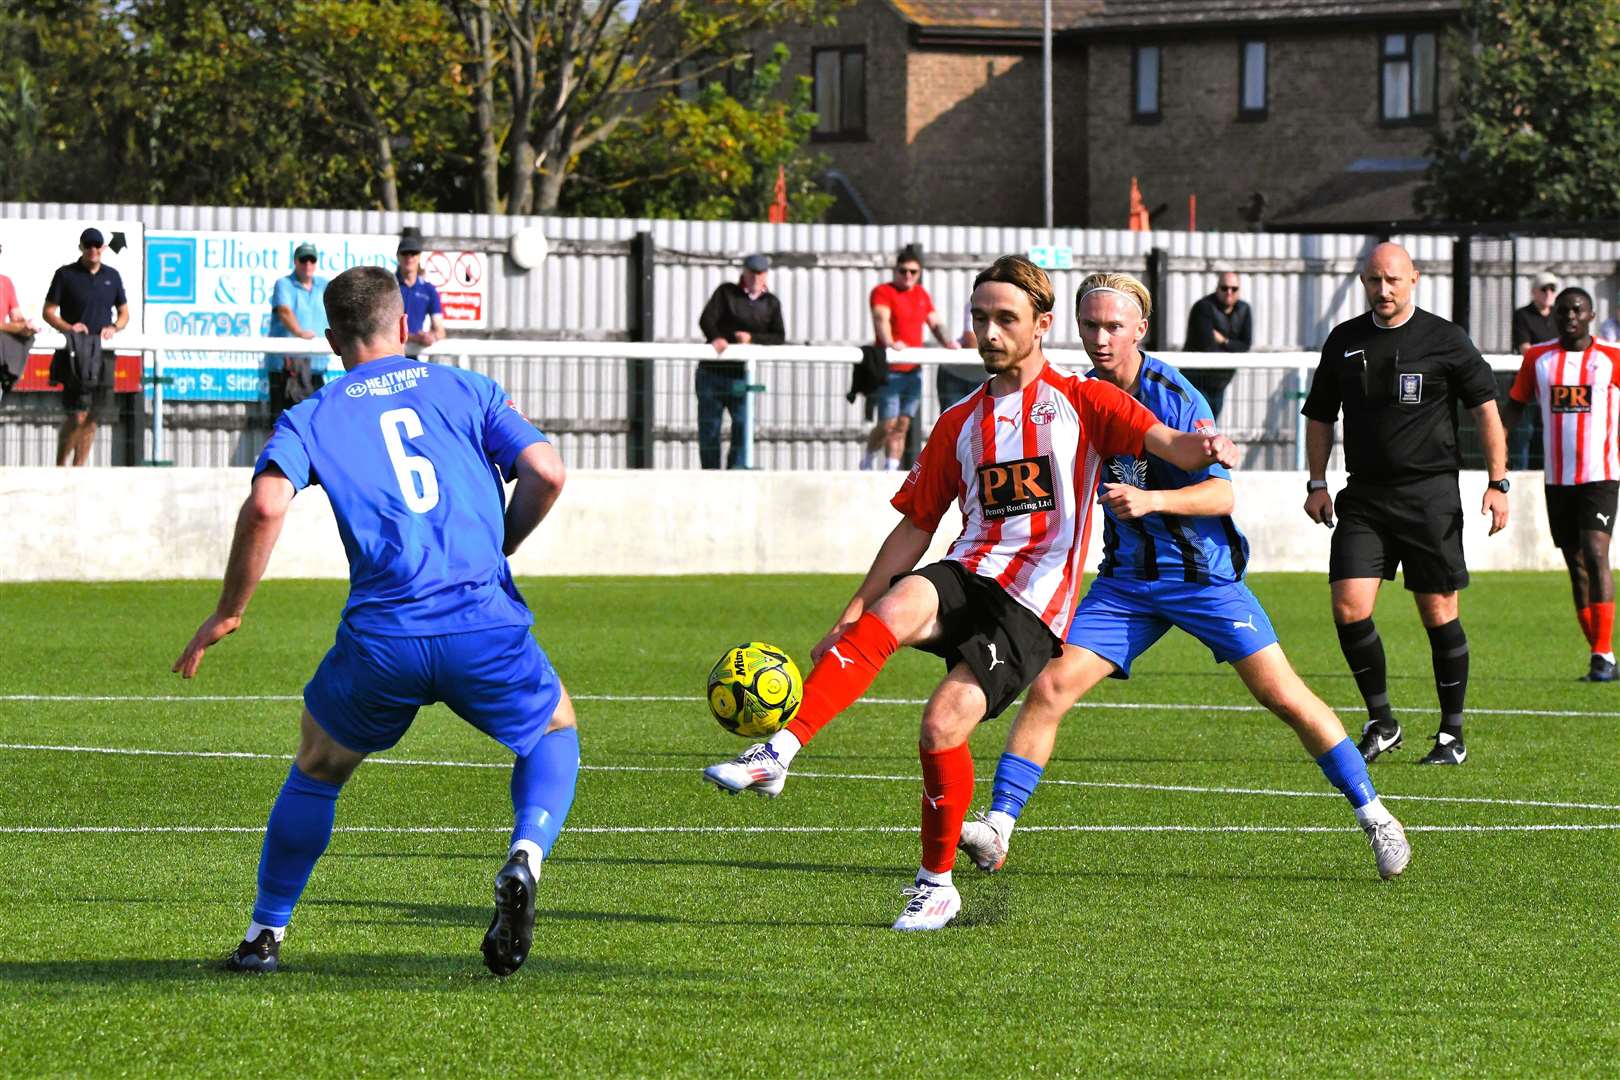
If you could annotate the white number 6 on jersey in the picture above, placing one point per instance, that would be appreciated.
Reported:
(417, 480)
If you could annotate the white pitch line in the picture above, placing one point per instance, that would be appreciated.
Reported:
(1118, 785)
(1105, 706)
(731, 830)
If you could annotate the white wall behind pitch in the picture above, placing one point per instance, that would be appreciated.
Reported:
(133, 524)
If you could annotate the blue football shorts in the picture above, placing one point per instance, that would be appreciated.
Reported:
(367, 690)
(1119, 619)
(900, 396)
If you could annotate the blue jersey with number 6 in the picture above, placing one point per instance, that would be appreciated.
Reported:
(412, 456)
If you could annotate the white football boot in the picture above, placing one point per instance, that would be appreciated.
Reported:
(1389, 846)
(928, 906)
(756, 769)
(983, 844)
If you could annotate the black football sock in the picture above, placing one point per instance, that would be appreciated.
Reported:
(1449, 646)
(1364, 652)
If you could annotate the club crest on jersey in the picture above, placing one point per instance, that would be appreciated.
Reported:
(1411, 389)
(1013, 488)
(1570, 399)
(1042, 413)
(1132, 471)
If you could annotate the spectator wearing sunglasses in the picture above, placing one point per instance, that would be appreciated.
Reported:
(1220, 322)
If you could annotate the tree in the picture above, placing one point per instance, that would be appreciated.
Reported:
(574, 70)
(1537, 129)
(712, 157)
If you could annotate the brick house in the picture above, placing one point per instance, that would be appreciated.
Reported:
(1271, 112)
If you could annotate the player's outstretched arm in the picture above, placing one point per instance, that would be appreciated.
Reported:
(1190, 450)
(540, 476)
(900, 552)
(258, 524)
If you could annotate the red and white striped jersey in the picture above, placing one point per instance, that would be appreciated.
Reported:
(1580, 408)
(1024, 467)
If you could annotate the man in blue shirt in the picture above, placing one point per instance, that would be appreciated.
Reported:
(424, 314)
(1171, 557)
(413, 457)
(297, 310)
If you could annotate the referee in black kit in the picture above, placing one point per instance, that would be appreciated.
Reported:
(1398, 373)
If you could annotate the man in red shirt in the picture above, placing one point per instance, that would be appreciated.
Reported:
(1021, 456)
(19, 330)
(900, 310)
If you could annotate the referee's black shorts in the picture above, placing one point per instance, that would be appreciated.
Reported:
(999, 639)
(1416, 524)
(1576, 508)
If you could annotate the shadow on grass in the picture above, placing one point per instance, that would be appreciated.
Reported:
(405, 913)
(424, 971)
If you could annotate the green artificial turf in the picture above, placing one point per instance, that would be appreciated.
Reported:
(716, 941)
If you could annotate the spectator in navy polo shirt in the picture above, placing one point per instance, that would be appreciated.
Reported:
(86, 303)
(424, 315)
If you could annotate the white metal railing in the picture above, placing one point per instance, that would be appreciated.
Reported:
(157, 347)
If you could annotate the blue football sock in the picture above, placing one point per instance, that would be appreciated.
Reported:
(299, 829)
(1016, 778)
(1345, 770)
(543, 788)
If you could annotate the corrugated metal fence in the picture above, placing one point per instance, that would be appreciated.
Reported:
(1298, 287)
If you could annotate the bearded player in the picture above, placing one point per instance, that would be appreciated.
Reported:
(1172, 557)
(1021, 456)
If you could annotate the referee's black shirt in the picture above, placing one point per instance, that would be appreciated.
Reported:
(1399, 389)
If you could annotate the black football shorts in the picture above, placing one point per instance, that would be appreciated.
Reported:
(1001, 641)
(1576, 508)
(1416, 525)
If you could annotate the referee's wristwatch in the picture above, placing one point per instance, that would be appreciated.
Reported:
(1313, 486)
(1500, 485)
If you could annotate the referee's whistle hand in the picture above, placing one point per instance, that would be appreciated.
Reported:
(1319, 508)
(1495, 504)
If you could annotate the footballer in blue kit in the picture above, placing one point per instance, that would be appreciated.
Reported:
(1172, 557)
(414, 458)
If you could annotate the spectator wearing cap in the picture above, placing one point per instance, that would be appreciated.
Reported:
(297, 310)
(1532, 324)
(901, 311)
(424, 314)
(16, 335)
(87, 305)
(738, 313)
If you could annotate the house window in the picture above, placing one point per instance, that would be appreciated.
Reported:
(1408, 73)
(1252, 81)
(840, 91)
(693, 76)
(1145, 84)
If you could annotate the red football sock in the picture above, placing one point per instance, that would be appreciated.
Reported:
(844, 673)
(1585, 616)
(947, 794)
(1603, 627)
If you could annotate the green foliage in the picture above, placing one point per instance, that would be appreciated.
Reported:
(334, 103)
(1537, 128)
(714, 157)
(252, 102)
